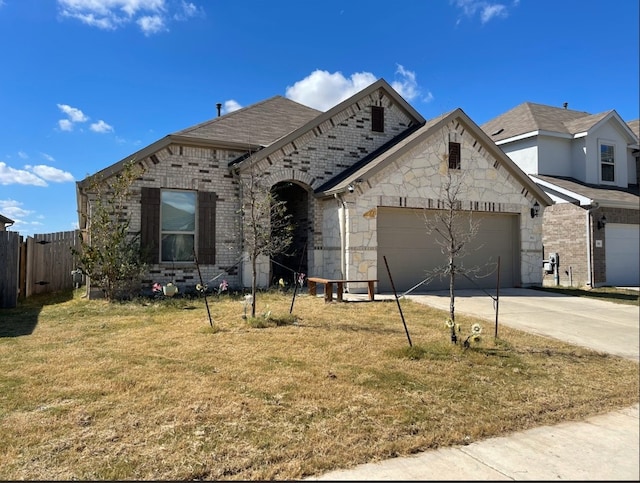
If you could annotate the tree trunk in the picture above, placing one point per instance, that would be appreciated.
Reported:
(254, 284)
(452, 299)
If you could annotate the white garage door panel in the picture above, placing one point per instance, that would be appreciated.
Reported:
(622, 251)
(411, 252)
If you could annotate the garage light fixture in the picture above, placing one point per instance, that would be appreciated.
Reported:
(535, 210)
(601, 222)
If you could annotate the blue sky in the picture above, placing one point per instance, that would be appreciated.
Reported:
(86, 83)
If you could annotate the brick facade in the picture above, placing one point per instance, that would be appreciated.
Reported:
(317, 156)
(572, 232)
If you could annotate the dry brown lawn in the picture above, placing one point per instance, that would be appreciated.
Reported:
(149, 390)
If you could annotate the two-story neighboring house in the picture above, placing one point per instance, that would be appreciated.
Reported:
(588, 164)
(360, 181)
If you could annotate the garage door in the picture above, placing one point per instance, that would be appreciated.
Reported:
(622, 252)
(411, 252)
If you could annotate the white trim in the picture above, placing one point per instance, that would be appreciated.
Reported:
(532, 134)
(584, 200)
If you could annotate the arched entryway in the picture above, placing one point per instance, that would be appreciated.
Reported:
(286, 266)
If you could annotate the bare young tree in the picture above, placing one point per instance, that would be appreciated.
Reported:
(453, 229)
(267, 226)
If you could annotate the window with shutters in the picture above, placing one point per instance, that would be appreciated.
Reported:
(454, 155)
(377, 118)
(177, 225)
(169, 225)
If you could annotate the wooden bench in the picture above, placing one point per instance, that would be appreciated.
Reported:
(328, 287)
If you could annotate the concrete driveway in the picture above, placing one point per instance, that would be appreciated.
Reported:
(596, 324)
(602, 448)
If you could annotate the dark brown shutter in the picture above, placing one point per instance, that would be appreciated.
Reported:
(150, 223)
(377, 118)
(454, 155)
(206, 227)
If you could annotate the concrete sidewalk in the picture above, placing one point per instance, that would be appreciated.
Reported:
(604, 447)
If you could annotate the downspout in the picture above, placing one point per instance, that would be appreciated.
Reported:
(343, 231)
(594, 206)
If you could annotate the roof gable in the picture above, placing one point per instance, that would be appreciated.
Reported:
(380, 85)
(530, 118)
(383, 159)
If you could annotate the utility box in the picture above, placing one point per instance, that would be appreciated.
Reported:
(554, 259)
(77, 277)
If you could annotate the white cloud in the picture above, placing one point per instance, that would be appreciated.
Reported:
(187, 10)
(323, 90)
(9, 175)
(152, 16)
(74, 114)
(231, 105)
(48, 157)
(151, 24)
(23, 155)
(33, 175)
(50, 173)
(408, 87)
(491, 11)
(101, 127)
(485, 9)
(13, 209)
(65, 125)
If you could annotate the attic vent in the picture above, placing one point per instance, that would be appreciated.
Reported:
(497, 132)
(377, 119)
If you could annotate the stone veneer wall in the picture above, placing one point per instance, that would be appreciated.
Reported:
(414, 181)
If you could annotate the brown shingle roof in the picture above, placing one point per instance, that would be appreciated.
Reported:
(595, 192)
(259, 124)
(635, 127)
(528, 117)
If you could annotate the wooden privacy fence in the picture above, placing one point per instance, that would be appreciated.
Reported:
(43, 263)
(9, 268)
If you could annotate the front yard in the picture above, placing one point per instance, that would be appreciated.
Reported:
(149, 390)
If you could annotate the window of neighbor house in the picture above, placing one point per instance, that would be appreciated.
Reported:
(607, 165)
(454, 155)
(178, 225)
(377, 118)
